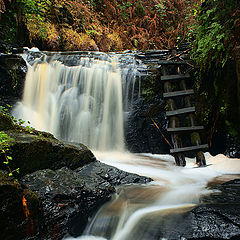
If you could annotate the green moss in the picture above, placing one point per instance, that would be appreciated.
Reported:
(6, 180)
(32, 152)
(6, 122)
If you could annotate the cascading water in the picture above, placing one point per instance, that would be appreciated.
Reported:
(85, 102)
(82, 103)
(152, 211)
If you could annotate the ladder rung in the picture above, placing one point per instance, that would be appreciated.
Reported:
(192, 148)
(174, 77)
(180, 111)
(178, 93)
(183, 129)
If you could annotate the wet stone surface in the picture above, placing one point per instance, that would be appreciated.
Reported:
(69, 197)
(141, 133)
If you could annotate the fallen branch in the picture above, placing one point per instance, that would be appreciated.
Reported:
(171, 146)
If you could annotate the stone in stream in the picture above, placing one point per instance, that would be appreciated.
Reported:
(69, 198)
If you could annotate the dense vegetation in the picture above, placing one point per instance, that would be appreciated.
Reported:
(107, 25)
(216, 53)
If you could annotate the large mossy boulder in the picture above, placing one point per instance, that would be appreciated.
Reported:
(32, 152)
(19, 210)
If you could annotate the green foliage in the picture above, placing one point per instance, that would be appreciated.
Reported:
(213, 50)
(140, 10)
(123, 7)
(161, 10)
(214, 33)
(5, 142)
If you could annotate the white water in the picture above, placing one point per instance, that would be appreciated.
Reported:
(174, 189)
(78, 104)
(85, 104)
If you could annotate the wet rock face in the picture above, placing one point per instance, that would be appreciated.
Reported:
(12, 77)
(141, 133)
(6, 122)
(219, 215)
(100, 173)
(65, 199)
(70, 197)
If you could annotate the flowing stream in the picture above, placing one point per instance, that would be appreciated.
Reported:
(88, 103)
(140, 212)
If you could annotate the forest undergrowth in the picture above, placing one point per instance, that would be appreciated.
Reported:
(106, 25)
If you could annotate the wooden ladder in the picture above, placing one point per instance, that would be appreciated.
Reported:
(176, 89)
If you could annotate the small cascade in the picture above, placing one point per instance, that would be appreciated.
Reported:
(83, 102)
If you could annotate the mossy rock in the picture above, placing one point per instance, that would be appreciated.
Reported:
(31, 152)
(6, 122)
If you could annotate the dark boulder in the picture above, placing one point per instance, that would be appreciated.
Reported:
(97, 172)
(70, 197)
(32, 150)
(233, 146)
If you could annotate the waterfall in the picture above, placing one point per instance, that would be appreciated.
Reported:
(82, 104)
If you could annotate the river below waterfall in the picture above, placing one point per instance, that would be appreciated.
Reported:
(88, 102)
(137, 212)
